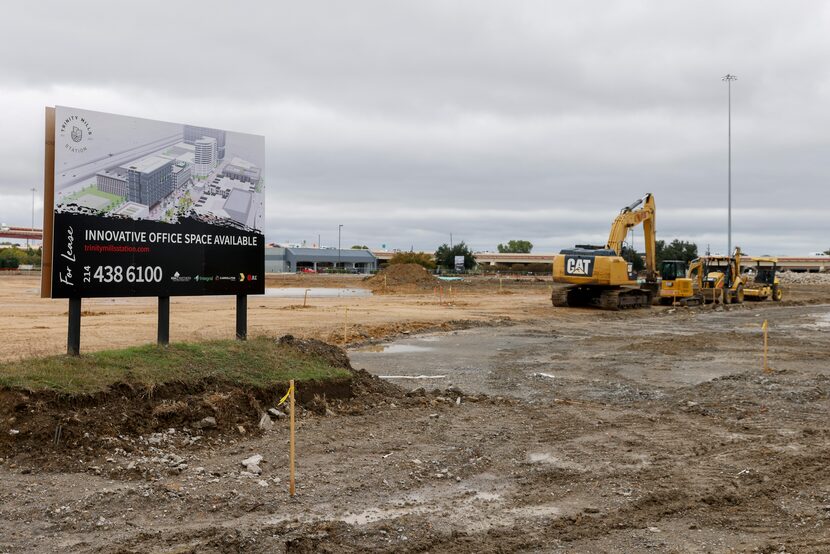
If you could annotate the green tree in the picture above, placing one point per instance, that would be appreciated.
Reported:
(445, 256)
(516, 247)
(11, 258)
(630, 255)
(420, 258)
(827, 252)
(676, 250)
(360, 247)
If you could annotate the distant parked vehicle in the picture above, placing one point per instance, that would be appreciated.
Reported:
(308, 270)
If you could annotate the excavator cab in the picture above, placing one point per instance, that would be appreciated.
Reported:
(672, 269)
(675, 286)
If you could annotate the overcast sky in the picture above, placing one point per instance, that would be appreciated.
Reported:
(408, 121)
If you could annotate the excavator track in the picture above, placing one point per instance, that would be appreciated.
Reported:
(605, 298)
(559, 296)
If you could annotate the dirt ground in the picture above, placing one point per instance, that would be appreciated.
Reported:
(514, 427)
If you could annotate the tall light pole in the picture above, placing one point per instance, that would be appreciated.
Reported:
(339, 227)
(729, 78)
(33, 213)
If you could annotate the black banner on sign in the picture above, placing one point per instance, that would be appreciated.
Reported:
(96, 256)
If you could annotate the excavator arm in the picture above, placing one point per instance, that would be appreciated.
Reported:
(629, 217)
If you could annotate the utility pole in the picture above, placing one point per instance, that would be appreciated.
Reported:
(339, 227)
(450, 241)
(729, 78)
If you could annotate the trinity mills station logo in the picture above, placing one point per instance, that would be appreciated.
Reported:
(75, 131)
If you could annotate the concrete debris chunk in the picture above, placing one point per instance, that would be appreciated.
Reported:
(206, 423)
(251, 464)
(276, 413)
(265, 422)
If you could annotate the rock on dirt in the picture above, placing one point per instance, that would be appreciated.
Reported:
(251, 464)
(265, 422)
(206, 423)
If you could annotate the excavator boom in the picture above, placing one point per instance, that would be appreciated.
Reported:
(631, 217)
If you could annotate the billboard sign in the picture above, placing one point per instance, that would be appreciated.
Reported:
(459, 263)
(136, 207)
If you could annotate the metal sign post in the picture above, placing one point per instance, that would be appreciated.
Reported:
(164, 321)
(73, 339)
(241, 317)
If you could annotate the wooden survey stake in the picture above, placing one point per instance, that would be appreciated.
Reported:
(346, 327)
(291, 438)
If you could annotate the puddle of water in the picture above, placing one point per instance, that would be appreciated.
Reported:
(487, 496)
(548, 458)
(412, 376)
(377, 514)
(319, 292)
(406, 348)
(396, 348)
(823, 321)
(536, 511)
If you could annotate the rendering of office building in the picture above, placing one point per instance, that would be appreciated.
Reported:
(238, 205)
(242, 170)
(113, 181)
(182, 172)
(132, 210)
(149, 180)
(193, 134)
(205, 156)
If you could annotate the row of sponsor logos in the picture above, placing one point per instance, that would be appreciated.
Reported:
(179, 278)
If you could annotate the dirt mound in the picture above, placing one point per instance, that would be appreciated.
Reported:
(402, 275)
(35, 424)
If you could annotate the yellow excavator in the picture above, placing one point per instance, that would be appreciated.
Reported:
(680, 284)
(599, 276)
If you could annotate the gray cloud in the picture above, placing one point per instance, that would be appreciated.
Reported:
(490, 120)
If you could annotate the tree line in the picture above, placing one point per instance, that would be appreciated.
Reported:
(12, 257)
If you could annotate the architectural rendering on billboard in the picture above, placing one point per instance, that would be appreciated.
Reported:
(151, 208)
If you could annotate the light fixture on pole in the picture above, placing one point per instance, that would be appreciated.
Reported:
(339, 227)
(729, 78)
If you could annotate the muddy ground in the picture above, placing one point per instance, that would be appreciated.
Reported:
(556, 430)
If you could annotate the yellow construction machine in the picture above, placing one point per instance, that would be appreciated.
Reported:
(599, 276)
(721, 279)
(678, 285)
(707, 279)
(762, 280)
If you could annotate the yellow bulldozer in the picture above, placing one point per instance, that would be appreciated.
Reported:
(599, 276)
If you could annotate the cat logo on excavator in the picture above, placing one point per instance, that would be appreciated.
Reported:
(579, 266)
